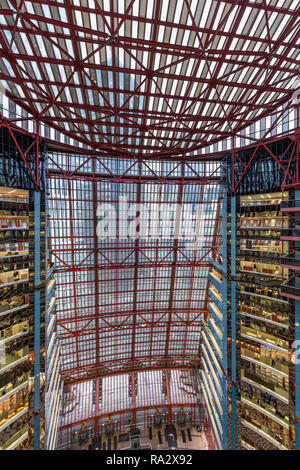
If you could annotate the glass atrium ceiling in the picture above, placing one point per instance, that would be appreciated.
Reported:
(152, 78)
(130, 303)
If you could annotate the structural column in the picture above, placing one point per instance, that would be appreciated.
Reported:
(37, 319)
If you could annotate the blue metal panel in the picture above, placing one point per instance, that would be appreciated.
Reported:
(224, 311)
(217, 265)
(222, 324)
(37, 319)
(214, 282)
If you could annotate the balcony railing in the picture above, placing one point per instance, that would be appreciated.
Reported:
(276, 440)
(16, 439)
(265, 409)
(282, 369)
(268, 386)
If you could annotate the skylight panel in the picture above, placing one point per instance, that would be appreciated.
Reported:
(156, 61)
(149, 12)
(185, 39)
(178, 68)
(164, 11)
(83, 50)
(8, 41)
(151, 100)
(190, 67)
(174, 87)
(280, 27)
(200, 68)
(39, 107)
(294, 5)
(63, 14)
(205, 13)
(134, 29)
(173, 36)
(49, 72)
(193, 89)
(183, 88)
(232, 44)
(161, 32)
(108, 50)
(54, 90)
(231, 94)
(160, 104)
(62, 73)
(135, 8)
(178, 11)
(93, 20)
(47, 11)
(78, 17)
(245, 19)
(121, 6)
(204, 111)
(212, 67)
(145, 59)
(29, 7)
(68, 95)
(26, 43)
(257, 22)
(169, 59)
(178, 107)
(219, 15)
(230, 20)
(36, 70)
(170, 102)
(20, 91)
(196, 42)
(222, 69)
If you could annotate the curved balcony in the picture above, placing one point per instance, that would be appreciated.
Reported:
(266, 410)
(15, 440)
(271, 388)
(267, 435)
(268, 363)
(264, 338)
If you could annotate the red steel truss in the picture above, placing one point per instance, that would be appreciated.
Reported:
(27, 156)
(139, 84)
(290, 156)
(149, 78)
(134, 304)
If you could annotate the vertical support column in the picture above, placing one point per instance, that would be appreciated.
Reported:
(97, 389)
(136, 271)
(133, 399)
(96, 265)
(224, 312)
(174, 267)
(168, 396)
(37, 320)
(233, 322)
